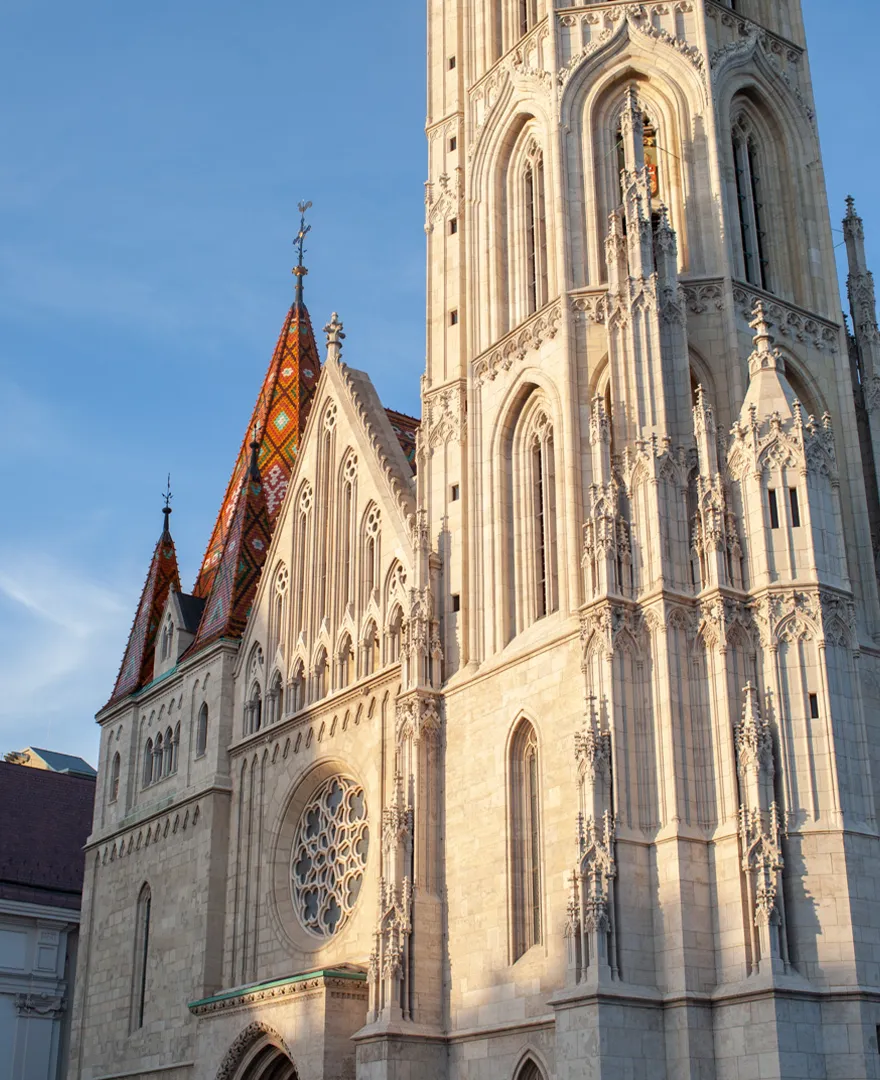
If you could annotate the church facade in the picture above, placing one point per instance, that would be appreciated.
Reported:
(538, 737)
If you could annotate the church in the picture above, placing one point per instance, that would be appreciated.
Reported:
(537, 738)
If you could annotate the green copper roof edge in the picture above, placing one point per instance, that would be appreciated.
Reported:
(251, 988)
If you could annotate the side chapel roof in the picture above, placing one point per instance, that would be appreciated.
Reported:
(136, 669)
(245, 548)
(405, 428)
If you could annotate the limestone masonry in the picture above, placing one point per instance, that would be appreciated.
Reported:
(538, 738)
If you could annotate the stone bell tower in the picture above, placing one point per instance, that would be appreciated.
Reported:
(641, 469)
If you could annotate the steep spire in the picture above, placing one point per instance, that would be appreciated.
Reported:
(244, 552)
(163, 577)
(279, 415)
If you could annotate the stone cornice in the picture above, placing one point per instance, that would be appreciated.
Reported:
(302, 985)
(112, 712)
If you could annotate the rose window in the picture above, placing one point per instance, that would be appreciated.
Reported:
(329, 856)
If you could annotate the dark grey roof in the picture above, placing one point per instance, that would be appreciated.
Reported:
(191, 607)
(65, 763)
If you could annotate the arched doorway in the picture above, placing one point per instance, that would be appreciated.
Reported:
(259, 1053)
(529, 1070)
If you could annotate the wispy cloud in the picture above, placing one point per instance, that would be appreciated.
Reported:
(56, 665)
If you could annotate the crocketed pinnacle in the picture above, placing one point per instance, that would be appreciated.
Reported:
(162, 577)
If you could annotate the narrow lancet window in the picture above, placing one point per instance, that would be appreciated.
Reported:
(535, 230)
(202, 731)
(141, 956)
(525, 834)
(750, 204)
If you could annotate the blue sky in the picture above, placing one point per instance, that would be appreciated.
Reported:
(152, 159)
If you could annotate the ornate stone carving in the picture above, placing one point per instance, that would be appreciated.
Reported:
(789, 321)
(47, 1006)
(246, 1039)
(620, 21)
(444, 415)
(754, 744)
(529, 337)
(592, 747)
(702, 298)
(443, 200)
(418, 717)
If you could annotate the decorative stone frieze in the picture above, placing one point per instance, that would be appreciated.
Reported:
(46, 1006)
(789, 321)
(526, 338)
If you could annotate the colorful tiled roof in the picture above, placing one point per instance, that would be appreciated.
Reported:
(238, 572)
(405, 428)
(137, 662)
(280, 416)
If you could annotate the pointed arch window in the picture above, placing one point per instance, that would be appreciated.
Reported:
(345, 661)
(529, 1071)
(115, 771)
(141, 958)
(175, 747)
(525, 840)
(302, 555)
(527, 12)
(535, 228)
(168, 761)
(325, 502)
(148, 763)
(748, 170)
(532, 561)
(167, 639)
(371, 554)
(347, 536)
(158, 757)
(395, 627)
(202, 730)
(276, 700)
(279, 609)
(371, 650)
(298, 688)
(320, 677)
(253, 710)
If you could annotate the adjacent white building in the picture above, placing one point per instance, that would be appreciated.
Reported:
(45, 819)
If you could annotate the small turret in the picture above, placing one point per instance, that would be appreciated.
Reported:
(162, 577)
(769, 391)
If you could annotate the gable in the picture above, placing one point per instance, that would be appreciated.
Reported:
(342, 551)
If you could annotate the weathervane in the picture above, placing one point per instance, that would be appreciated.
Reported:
(167, 496)
(299, 270)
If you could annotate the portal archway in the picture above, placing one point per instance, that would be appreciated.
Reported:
(259, 1053)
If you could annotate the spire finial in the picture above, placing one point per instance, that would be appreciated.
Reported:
(334, 333)
(166, 509)
(851, 207)
(299, 243)
(761, 325)
(254, 470)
